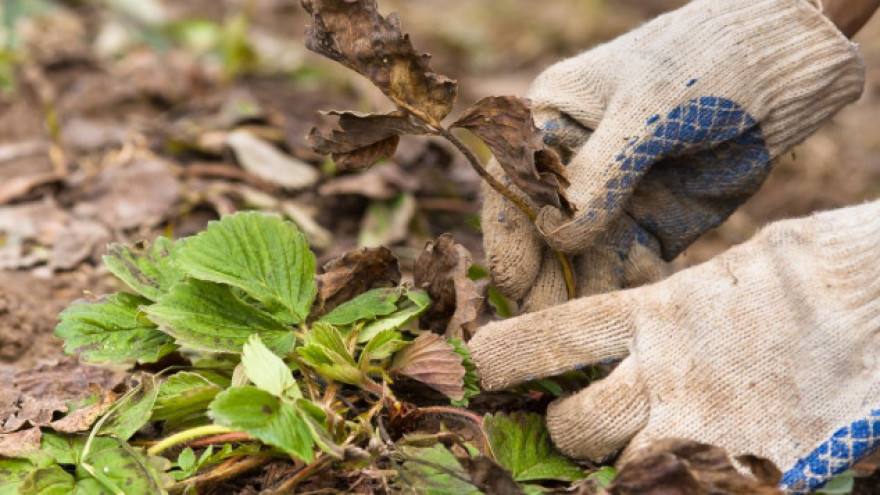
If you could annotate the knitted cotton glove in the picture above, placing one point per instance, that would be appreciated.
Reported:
(771, 349)
(668, 129)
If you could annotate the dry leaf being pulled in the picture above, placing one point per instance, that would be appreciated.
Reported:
(432, 361)
(360, 140)
(354, 34)
(505, 123)
(455, 300)
(355, 273)
(683, 467)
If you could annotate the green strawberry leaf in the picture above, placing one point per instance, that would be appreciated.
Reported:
(209, 317)
(267, 371)
(264, 256)
(417, 301)
(14, 471)
(606, 474)
(183, 399)
(132, 411)
(148, 270)
(107, 465)
(367, 306)
(471, 379)
(265, 417)
(325, 351)
(431, 471)
(51, 480)
(521, 443)
(112, 330)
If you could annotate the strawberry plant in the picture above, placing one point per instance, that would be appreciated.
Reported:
(246, 369)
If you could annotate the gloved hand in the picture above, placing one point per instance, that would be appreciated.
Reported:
(666, 131)
(771, 349)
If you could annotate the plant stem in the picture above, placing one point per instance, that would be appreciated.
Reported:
(522, 204)
(223, 472)
(303, 474)
(186, 436)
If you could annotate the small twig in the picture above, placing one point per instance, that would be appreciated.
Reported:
(223, 472)
(237, 436)
(522, 204)
(303, 474)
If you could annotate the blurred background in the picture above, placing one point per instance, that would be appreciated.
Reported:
(122, 120)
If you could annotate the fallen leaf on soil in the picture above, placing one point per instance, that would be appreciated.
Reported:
(16, 187)
(683, 467)
(20, 443)
(34, 396)
(354, 273)
(137, 194)
(17, 321)
(383, 182)
(268, 163)
(505, 124)
(82, 419)
(455, 301)
(357, 36)
(28, 230)
(387, 222)
(434, 362)
(78, 240)
(360, 140)
(489, 476)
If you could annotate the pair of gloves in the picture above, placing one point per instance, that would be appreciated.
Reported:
(772, 348)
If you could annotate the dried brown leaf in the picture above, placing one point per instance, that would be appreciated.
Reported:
(505, 123)
(82, 419)
(354, 34)
(353, 274)
(33, 397)
(20, 443)
(360, 140)
(382, 182)
(455, 300)
(432, 361)
(683, 467)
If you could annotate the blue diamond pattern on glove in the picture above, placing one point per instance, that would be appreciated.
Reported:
(689, 170)
(845, 448)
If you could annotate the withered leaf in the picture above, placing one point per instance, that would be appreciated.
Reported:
(354, 34)
(33, 397)
(360, 140)
(683, 467)
(441, 270)
(82, 419)
(434, 362)
(505, 123)
(20, 443)
(354, 273)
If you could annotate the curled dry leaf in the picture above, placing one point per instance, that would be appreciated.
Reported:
(434, 362)
(354, 34)
(381, 182)
(505, 123)
(441, 270)
(683, 467)
(360, 140)
(353, 274)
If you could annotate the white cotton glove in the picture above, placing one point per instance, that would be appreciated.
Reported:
(666, 131)
(771, 349)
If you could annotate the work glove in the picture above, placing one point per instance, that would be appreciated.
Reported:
(666, 131)
(770, 349)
